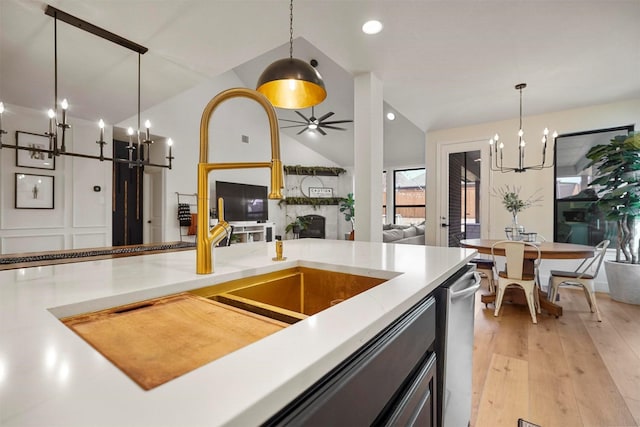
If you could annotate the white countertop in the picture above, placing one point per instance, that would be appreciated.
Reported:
(50, 376)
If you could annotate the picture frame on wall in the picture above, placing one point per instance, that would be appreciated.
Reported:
(34, 191)
(32, 156)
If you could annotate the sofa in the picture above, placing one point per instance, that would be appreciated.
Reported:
(408, 234)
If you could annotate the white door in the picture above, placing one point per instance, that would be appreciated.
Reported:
(154, 203)
(463, 192)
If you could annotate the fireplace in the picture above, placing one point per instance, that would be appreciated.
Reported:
(315, 227)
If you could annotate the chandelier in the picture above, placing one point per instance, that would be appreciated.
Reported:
(496, 148)
(57, 128)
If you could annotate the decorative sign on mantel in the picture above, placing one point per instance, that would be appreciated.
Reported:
(320, 192)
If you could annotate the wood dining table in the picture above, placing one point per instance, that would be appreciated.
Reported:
(548, 250)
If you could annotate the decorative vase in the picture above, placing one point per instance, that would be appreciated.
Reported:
(516, 229)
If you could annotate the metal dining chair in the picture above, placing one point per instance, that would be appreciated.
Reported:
(514, 274)
(583, 276)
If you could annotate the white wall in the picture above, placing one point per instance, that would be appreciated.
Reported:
(179, 118)
(538, 218)
(81, 217)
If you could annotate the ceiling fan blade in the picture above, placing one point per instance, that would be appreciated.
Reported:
(293, 126)
(301, 115)
(331, 127)
(319, 129)
(293, 121)
(304, 129)
(326, 116)
(333, 122)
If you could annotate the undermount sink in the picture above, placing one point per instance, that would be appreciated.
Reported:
(157, 340)
(292, 294)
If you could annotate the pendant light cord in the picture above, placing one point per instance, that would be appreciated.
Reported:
(291, 29)
(139, 147)
(139, 56)
(521, 108)
(55, 67)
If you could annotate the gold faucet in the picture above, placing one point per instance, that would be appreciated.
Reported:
(206, 238)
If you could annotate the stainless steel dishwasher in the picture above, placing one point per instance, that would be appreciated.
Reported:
(455, 316)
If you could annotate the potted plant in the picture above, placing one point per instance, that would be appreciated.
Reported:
(511, 200)
(617, 183)
(347, 207)
(297, 225)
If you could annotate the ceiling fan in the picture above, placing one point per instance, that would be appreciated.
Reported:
(312, 123)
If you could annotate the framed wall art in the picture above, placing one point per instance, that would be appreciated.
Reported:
(34, 191)
(33, 156)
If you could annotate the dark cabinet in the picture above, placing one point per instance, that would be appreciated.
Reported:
(389, 381)
(417, 407)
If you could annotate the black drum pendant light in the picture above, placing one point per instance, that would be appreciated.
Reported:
(290, 82)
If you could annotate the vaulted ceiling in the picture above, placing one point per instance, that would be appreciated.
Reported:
(443, 63)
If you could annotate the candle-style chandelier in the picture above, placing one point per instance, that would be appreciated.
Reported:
(58, 128)
(496, 148)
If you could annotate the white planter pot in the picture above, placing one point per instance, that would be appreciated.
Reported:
(624, 281)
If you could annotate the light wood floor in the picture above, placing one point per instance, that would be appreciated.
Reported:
(565, 372)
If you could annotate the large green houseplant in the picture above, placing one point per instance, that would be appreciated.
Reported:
(617, 183)
(348, 208)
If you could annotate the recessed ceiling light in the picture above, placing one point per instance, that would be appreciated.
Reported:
(372, 27)
(391, 116)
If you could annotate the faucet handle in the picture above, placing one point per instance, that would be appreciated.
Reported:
(279, 256)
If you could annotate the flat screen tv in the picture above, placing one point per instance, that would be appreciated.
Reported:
(243, 202)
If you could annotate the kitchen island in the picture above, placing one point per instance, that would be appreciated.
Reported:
(50, 376)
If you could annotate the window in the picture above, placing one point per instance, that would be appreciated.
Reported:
(576, 219)
(410, 196)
